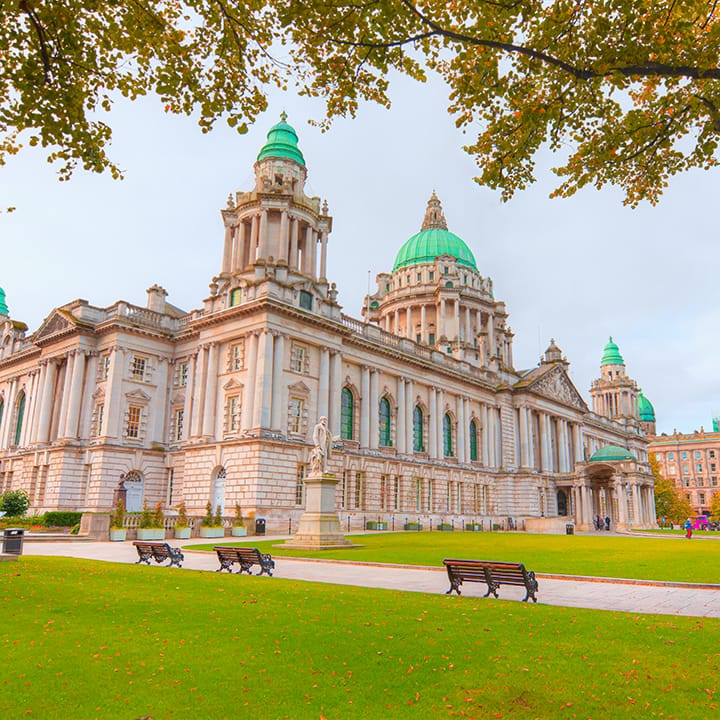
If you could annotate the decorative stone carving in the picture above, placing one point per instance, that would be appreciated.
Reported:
(557, 385)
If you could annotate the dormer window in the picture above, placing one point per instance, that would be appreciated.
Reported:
(431, 276)
(305, 300)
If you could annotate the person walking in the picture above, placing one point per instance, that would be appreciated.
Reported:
(688, 528)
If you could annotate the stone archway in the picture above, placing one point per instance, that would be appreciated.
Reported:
(134, 491)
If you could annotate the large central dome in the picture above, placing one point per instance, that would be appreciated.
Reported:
(434, 240)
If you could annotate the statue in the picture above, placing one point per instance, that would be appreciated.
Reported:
(323, 442)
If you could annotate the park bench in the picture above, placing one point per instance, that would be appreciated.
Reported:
(494, 573)
(246, 557)
(159, 552)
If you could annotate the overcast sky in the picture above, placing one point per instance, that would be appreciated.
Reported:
(576, 270)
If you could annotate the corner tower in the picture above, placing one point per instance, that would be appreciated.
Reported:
(436, 297)
(276, 236)
(614, 394)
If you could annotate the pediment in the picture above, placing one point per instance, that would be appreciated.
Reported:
(233, 384)
(556, 385)
(99, 393)
(138, 395)
(299, 388)
(56, 323)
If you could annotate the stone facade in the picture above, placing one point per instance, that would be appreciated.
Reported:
(218, 404)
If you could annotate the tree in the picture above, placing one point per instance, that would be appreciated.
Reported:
(627, 92)
(14, 503)
(715, 506)
(670, 503)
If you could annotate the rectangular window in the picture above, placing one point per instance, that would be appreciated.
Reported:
(178, 419)
(396, 493)
(684, 455)
(431, 275)
(418, 494)
(298, 355)
(359, 491)
(300, 485)
(699, 467)
(686, 481)
(448, 496)
(343, 490)
(104, 367)
(183, 374)
(701, 498)
(295, 415)
(305, 300)
(132, 430)
(700, 482)
(383, 491)
(235, 297)
(697, 455)
(431, 339)
(713, 480)
(233, 413)
(137, 368)
(671, 456)
(712, 467)
(237, 357)
(711, 453)
(99, 413)
(429, 503)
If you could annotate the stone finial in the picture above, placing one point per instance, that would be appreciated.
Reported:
(230, 203)
(156, 298)
(324, 207)
(434, 217)
(553, 353)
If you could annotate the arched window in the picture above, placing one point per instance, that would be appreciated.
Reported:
(447, 436)
(418, 439)
(473, 440)
(385, 423)
(347, 414)
(20, 415)
(134, 486)
(218, 490)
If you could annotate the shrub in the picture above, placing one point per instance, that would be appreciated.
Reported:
(208, 520)
(182, 518)
(146, 517)
(14, 502)
(62, 519)
(238, 522)
(217, 521)
(158, 519)
(117, 520)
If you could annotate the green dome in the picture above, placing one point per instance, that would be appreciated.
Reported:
(646, 412)
(282, 142)
(611, 354)
(434, 240)
(3, 306)
(611, 453)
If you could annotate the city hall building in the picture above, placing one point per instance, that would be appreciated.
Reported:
(432, 418)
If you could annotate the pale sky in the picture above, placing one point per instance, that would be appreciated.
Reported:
(576, 270)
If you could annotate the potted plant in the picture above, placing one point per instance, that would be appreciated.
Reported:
(212, 525)
(152, 523)
(182, 526)
(118, 531)
(238, 526)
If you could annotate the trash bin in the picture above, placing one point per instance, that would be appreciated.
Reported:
(569, 529)
(13, 540)
(260, 526)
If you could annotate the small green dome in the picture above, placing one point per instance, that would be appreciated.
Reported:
(282, 142)
(611, 453)
(434, 240)
(3, 305)
(646, 412)
(611, 354)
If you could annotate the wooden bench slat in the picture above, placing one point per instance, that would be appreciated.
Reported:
(492, 572)
(159, 552)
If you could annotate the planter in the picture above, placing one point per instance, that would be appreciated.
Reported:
(445, 527)
(376, 525)
(118, 534)
(239, 531)
(150, 534)
(183, 533)
(413, 526)
(212, 532)
(473, 527)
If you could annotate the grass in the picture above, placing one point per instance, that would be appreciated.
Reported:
(83, 639)
(645, 558)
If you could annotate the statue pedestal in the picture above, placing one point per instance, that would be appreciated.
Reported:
(319, 527)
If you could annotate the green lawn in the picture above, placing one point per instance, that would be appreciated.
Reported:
(646, 558)
(82, 639)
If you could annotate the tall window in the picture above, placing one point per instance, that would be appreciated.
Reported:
(137, 369)
(347, 413)
(298, 355)
(305, 300)
(183, 374)
(359, 491)
(178, 420)
(235, 296)
(384, 423)
(300, 485)
(418, 439)
(429, 488)
(237, 356)
(20, 415)
(132, 430)
(447, 436)
(99, 414)
(233, 413)
(473, 440)
(396, 493)
(295, 415)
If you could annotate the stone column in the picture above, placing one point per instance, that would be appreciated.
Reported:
(432, 425)
(43, 432)
(374, 410)
(636, 504)
(460, 451)
(485, 435)
(294, 228)
(65, 399)
(365, 406)
(491, 334)
(211, 383)
(113, 397)
(409, 416)
(227, 249)
(312, 253)
(263, 249)
(39, 391)
(336, 383)
(408, 323)
(74, 403)
(254, 232)
(323, 383)
(401, 416)
(247, 409)
(263, 380)
(199, 391)
(457, 319)
(88, 404)
(396, 322)
(423, 324)
(30, 402)
(440, 324)
(277, 376)
(188, 402)
(6, 439)
(284, 235)
(323, 254)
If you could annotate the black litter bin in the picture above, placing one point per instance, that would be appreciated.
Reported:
(569, 529)
(13, 540)
(260, 526)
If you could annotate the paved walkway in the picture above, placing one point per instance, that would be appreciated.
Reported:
(597, 593)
